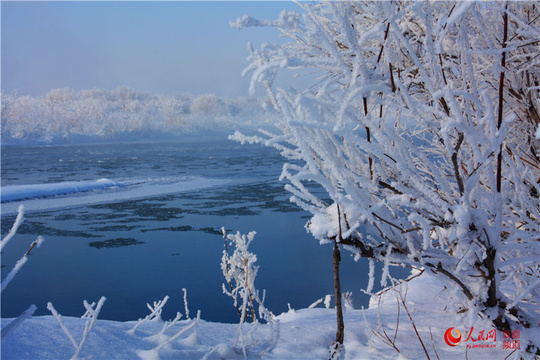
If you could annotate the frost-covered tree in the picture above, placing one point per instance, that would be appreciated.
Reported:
(63, 113)
(420, 129)
(207, 104)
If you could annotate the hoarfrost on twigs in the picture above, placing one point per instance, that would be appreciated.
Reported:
(423, 131)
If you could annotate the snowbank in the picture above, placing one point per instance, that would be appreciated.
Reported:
(303, 334)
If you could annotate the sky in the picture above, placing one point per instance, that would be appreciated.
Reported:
(157, 47)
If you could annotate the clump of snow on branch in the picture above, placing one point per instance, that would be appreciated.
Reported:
(423, 129)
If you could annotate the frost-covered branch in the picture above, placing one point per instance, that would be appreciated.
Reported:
(155, 313)
(240, 272)
(18, 321)
(422, 129)
(154, 353)
(14, 228)
(92, 312)
(18, 265)
(186, 309)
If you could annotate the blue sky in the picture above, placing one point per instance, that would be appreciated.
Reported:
(159, 47)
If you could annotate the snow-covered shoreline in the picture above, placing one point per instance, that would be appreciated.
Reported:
(303, 334)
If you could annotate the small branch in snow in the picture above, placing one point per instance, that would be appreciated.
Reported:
(155, 313)
(413, 324)
(186, 309)
(92, 311)
(18, 321)
(433, 344)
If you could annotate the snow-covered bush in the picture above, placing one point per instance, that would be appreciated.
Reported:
(421, 130)
(240, 272)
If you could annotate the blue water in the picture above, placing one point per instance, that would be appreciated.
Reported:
(135, 244)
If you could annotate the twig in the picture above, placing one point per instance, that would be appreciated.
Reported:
(385, 338)
(14, 228)
(433, 344)
(382, 45)
(186, 303)
(155, 313)
(442, 70)
(388, 222)
(413, 324)
(392, 78)
(88, 326)
(501, 96)
(456, 165)
(19, 264)
(464, 288)
(401, 282)
(227, 267)
(193, 323)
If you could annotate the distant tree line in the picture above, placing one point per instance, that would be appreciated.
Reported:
(64, 115)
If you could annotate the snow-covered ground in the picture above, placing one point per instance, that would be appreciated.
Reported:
(302, 334)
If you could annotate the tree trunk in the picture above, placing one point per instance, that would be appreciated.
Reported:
(489, 263)
(337, 287)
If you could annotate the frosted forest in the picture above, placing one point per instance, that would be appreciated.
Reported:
(64, 115)
(416, 147)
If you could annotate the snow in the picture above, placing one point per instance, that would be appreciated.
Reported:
(21, 192)
(85, 192)
(303, 334)
(383, 180)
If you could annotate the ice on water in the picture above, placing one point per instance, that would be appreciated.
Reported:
(40, 197)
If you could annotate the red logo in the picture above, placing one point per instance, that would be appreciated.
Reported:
(450, 339)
